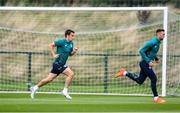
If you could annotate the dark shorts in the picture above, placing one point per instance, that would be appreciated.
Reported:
(58, 68)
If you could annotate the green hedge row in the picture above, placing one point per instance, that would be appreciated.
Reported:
(114, 3)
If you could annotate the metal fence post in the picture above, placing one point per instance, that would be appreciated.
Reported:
(106, 74)
(29, 79)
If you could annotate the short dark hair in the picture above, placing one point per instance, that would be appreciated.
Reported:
(68, 32)
(159, 30)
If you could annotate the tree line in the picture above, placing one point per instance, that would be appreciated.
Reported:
(91, 3)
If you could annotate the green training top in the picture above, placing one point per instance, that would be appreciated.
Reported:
(64, 49)
(150, 49)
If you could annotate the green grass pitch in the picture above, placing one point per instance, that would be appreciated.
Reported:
(85, 103)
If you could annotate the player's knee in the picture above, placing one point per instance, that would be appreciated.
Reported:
(154, 80)
(140, 82)
(71, 74)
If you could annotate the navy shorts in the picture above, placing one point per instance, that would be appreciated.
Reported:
(58, 68)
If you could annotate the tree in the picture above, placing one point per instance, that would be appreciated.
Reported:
(143, 16)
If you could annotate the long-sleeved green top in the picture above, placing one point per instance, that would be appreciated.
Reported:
(149, 51)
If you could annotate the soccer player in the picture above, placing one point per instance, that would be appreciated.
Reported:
(149, 59)
(64, 49)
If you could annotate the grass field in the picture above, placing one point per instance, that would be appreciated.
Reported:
(85, 103)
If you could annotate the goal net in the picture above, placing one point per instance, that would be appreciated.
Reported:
(107, 38)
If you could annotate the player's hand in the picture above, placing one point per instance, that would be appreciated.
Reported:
(151, 64)
(157, 60)
(75, 49)
(55, 55)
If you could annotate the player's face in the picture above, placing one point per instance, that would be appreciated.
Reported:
(161, 35)
(71, 36)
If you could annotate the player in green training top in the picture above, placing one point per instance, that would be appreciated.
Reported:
(64, 49)
(149, 57)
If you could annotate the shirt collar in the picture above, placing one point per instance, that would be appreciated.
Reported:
(67, 40)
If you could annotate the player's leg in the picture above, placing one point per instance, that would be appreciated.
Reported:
(69, 76)
(150, 73)
(46, 80)
(138, 78)
(49, 78)
(55, 71)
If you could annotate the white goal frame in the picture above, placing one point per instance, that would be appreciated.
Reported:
(165, 24)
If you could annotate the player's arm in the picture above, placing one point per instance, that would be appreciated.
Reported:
(52, 49)
(74, 51)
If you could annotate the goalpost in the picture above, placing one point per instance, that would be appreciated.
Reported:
(102, 49)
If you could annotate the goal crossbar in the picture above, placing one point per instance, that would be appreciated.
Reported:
(83, 8)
